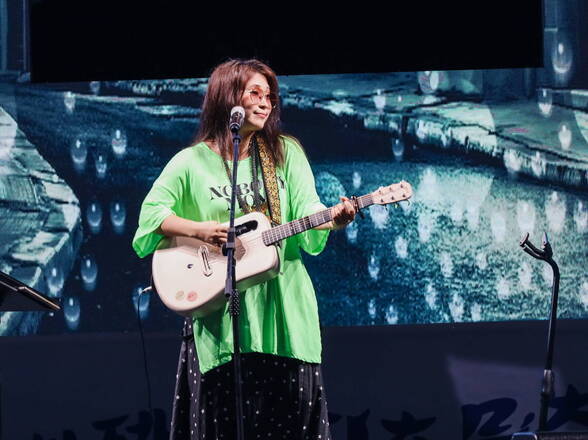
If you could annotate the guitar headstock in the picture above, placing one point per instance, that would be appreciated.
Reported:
(394, 193)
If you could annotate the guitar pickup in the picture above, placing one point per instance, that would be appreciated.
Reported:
(246, 227)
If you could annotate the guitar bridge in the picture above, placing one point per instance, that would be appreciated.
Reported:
(204, 255)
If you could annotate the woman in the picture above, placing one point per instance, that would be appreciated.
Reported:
(283, 396)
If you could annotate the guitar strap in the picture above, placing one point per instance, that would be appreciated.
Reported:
(270, 180)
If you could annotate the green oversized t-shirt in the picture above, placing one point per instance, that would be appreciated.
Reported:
(279, 316)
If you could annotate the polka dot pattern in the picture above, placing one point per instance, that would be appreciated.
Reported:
(283, 398)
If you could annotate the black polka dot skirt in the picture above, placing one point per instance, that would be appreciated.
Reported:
(283, 398)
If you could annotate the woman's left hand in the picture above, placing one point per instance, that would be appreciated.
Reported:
(343, 213)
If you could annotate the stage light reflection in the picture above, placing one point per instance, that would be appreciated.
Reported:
(69, 100)
(379, 100)
(89, 272)
(406, 206)
(119, 143)
(95, 87)
(562, 58)
(421, 131)
(498, 226)
(398, 149)
(374, 267)
(503, 289)
(456, 307)
(526, 216)
(431, 296)
(426, 224)
(401, 247)
(79, 155)
(428, 81)
(72, 312)
(446, 137)
(476, 312)
(391, 315)
(555, 210)
(538, 165)
(118, 215)
(512, 162)
(372, 308)
(101, 163)
(545, 101)
(142, 300)
(428, 190)
(351, 232)
(94, 217)
(55, 280)
(564, 135)
(379, 215)
(356, 180)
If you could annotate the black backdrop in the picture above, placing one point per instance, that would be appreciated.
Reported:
(98, 40)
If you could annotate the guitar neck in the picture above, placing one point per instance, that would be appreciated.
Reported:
(281, 232)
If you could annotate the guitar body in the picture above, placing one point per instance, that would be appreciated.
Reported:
(189, 274)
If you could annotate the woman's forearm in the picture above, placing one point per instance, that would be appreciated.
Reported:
(174, 226)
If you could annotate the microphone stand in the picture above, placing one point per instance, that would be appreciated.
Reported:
(547, 386)
(231, 291)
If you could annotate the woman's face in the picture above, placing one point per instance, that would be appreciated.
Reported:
(257, 103)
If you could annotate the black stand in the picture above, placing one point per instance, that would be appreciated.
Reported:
(18, 297)
(547, 386)
(232, 293)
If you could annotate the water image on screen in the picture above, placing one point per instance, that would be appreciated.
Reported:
(490, 156)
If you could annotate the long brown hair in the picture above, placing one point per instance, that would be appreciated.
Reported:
(225, 89)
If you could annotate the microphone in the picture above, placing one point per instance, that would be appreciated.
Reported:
(237, 117)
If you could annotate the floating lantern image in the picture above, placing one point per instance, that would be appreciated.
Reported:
(356, 180)
(69, 100)
(564, 135)
(89, 272)
(71, 312)
(94, 217)
(398, 149)
(95, 87)
(79, 155)
(119, 143)
(118, 215)
(55, 280)
(101, 163)
(545, 101)
(379, 100)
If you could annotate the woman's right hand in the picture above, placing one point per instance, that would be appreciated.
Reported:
(211, 232)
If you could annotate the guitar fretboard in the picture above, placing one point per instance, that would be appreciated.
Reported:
(277, 233)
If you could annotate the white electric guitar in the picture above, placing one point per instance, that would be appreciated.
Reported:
(189, 274)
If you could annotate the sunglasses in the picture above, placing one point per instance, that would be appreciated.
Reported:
(257, 95)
